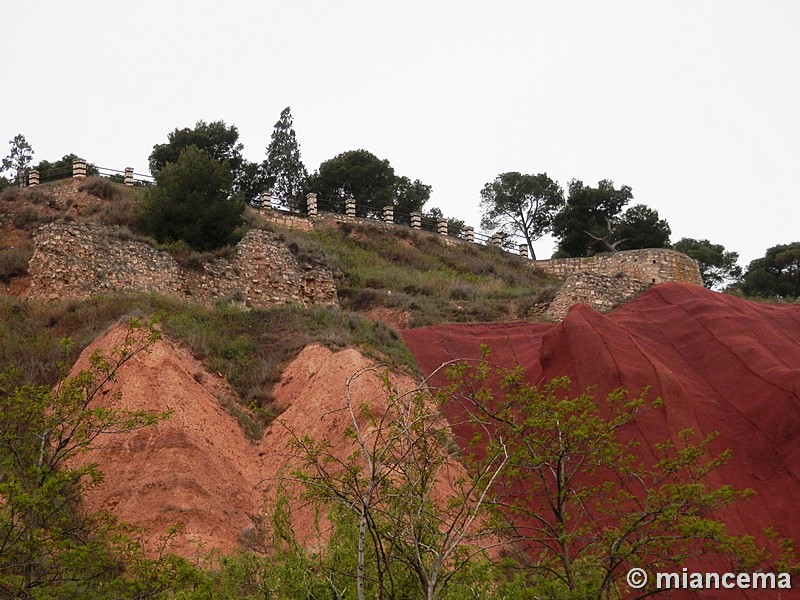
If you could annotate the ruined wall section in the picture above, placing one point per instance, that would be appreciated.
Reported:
(601, 292)
(655, 265)
(78, 261)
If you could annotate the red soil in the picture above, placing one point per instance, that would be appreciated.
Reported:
(720, 364)
(197, 468)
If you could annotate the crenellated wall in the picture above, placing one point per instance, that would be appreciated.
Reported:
(79, 260)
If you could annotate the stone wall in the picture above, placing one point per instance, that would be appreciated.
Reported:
(656, 265)
(601, 292)
(77, 261)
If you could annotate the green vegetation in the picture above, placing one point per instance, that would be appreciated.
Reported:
(718, 267)
(19, 159)
(370, 180)
(192, 202)
(14, 261)
(436, 282)
(61, 168)
(50, 549)
(776, 275)
(524, 204)
(583, 502)
(553, 486)
(592, 221)
(283, 170)
(248, 347)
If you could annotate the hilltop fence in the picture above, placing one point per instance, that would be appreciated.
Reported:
(313, 206)
(81, 169)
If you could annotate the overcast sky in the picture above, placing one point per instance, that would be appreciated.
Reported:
(694, 104)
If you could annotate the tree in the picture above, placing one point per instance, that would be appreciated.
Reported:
(430, 220)
(777, 274)
(585, 506)
(18, 159)
(216, 139)
(371, 181)
(285, 172)
(61, 168)
(585, 224)
(413, 515)
(47, 549)
(192, 202)
(718, 267)
(640, 227)
(355, 174)
(524, 204)
(409, 196)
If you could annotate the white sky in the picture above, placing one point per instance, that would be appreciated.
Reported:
(694, 104)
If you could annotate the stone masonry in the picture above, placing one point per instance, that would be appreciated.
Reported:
(77, 261)
(655, 265)
(601, 292)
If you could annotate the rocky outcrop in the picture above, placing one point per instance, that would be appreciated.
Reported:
(79, 260)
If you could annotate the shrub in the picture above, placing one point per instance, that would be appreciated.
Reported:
(14, 261)
(29, 218)
(192, 201)
(99, 187)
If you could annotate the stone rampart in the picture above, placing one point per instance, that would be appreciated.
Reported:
(651, 266)
(80, 260)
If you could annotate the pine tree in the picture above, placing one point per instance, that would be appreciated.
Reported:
(19, 158)
(285, 171)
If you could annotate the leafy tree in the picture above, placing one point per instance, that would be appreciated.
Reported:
(61, 168)
(410, 196)
(585, 224)
(430, 220)
(355, 174)
(394, 485)
(582, 504)
(640, 227)
(718, 267)
(46, 548)
(523, 204)
(216, 139)
(371, 181)
(192, 202)
(19, 158)
(777, 274)
(251, 180)
(285, 172)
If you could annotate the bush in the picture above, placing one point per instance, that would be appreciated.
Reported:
(29, 218)
(14, 261)
(99, 187)
(192, 201)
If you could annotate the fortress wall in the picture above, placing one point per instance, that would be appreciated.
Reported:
(78, 261)
(651, 266)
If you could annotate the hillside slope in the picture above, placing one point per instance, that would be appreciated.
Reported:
(197, 468)
(720, 363)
